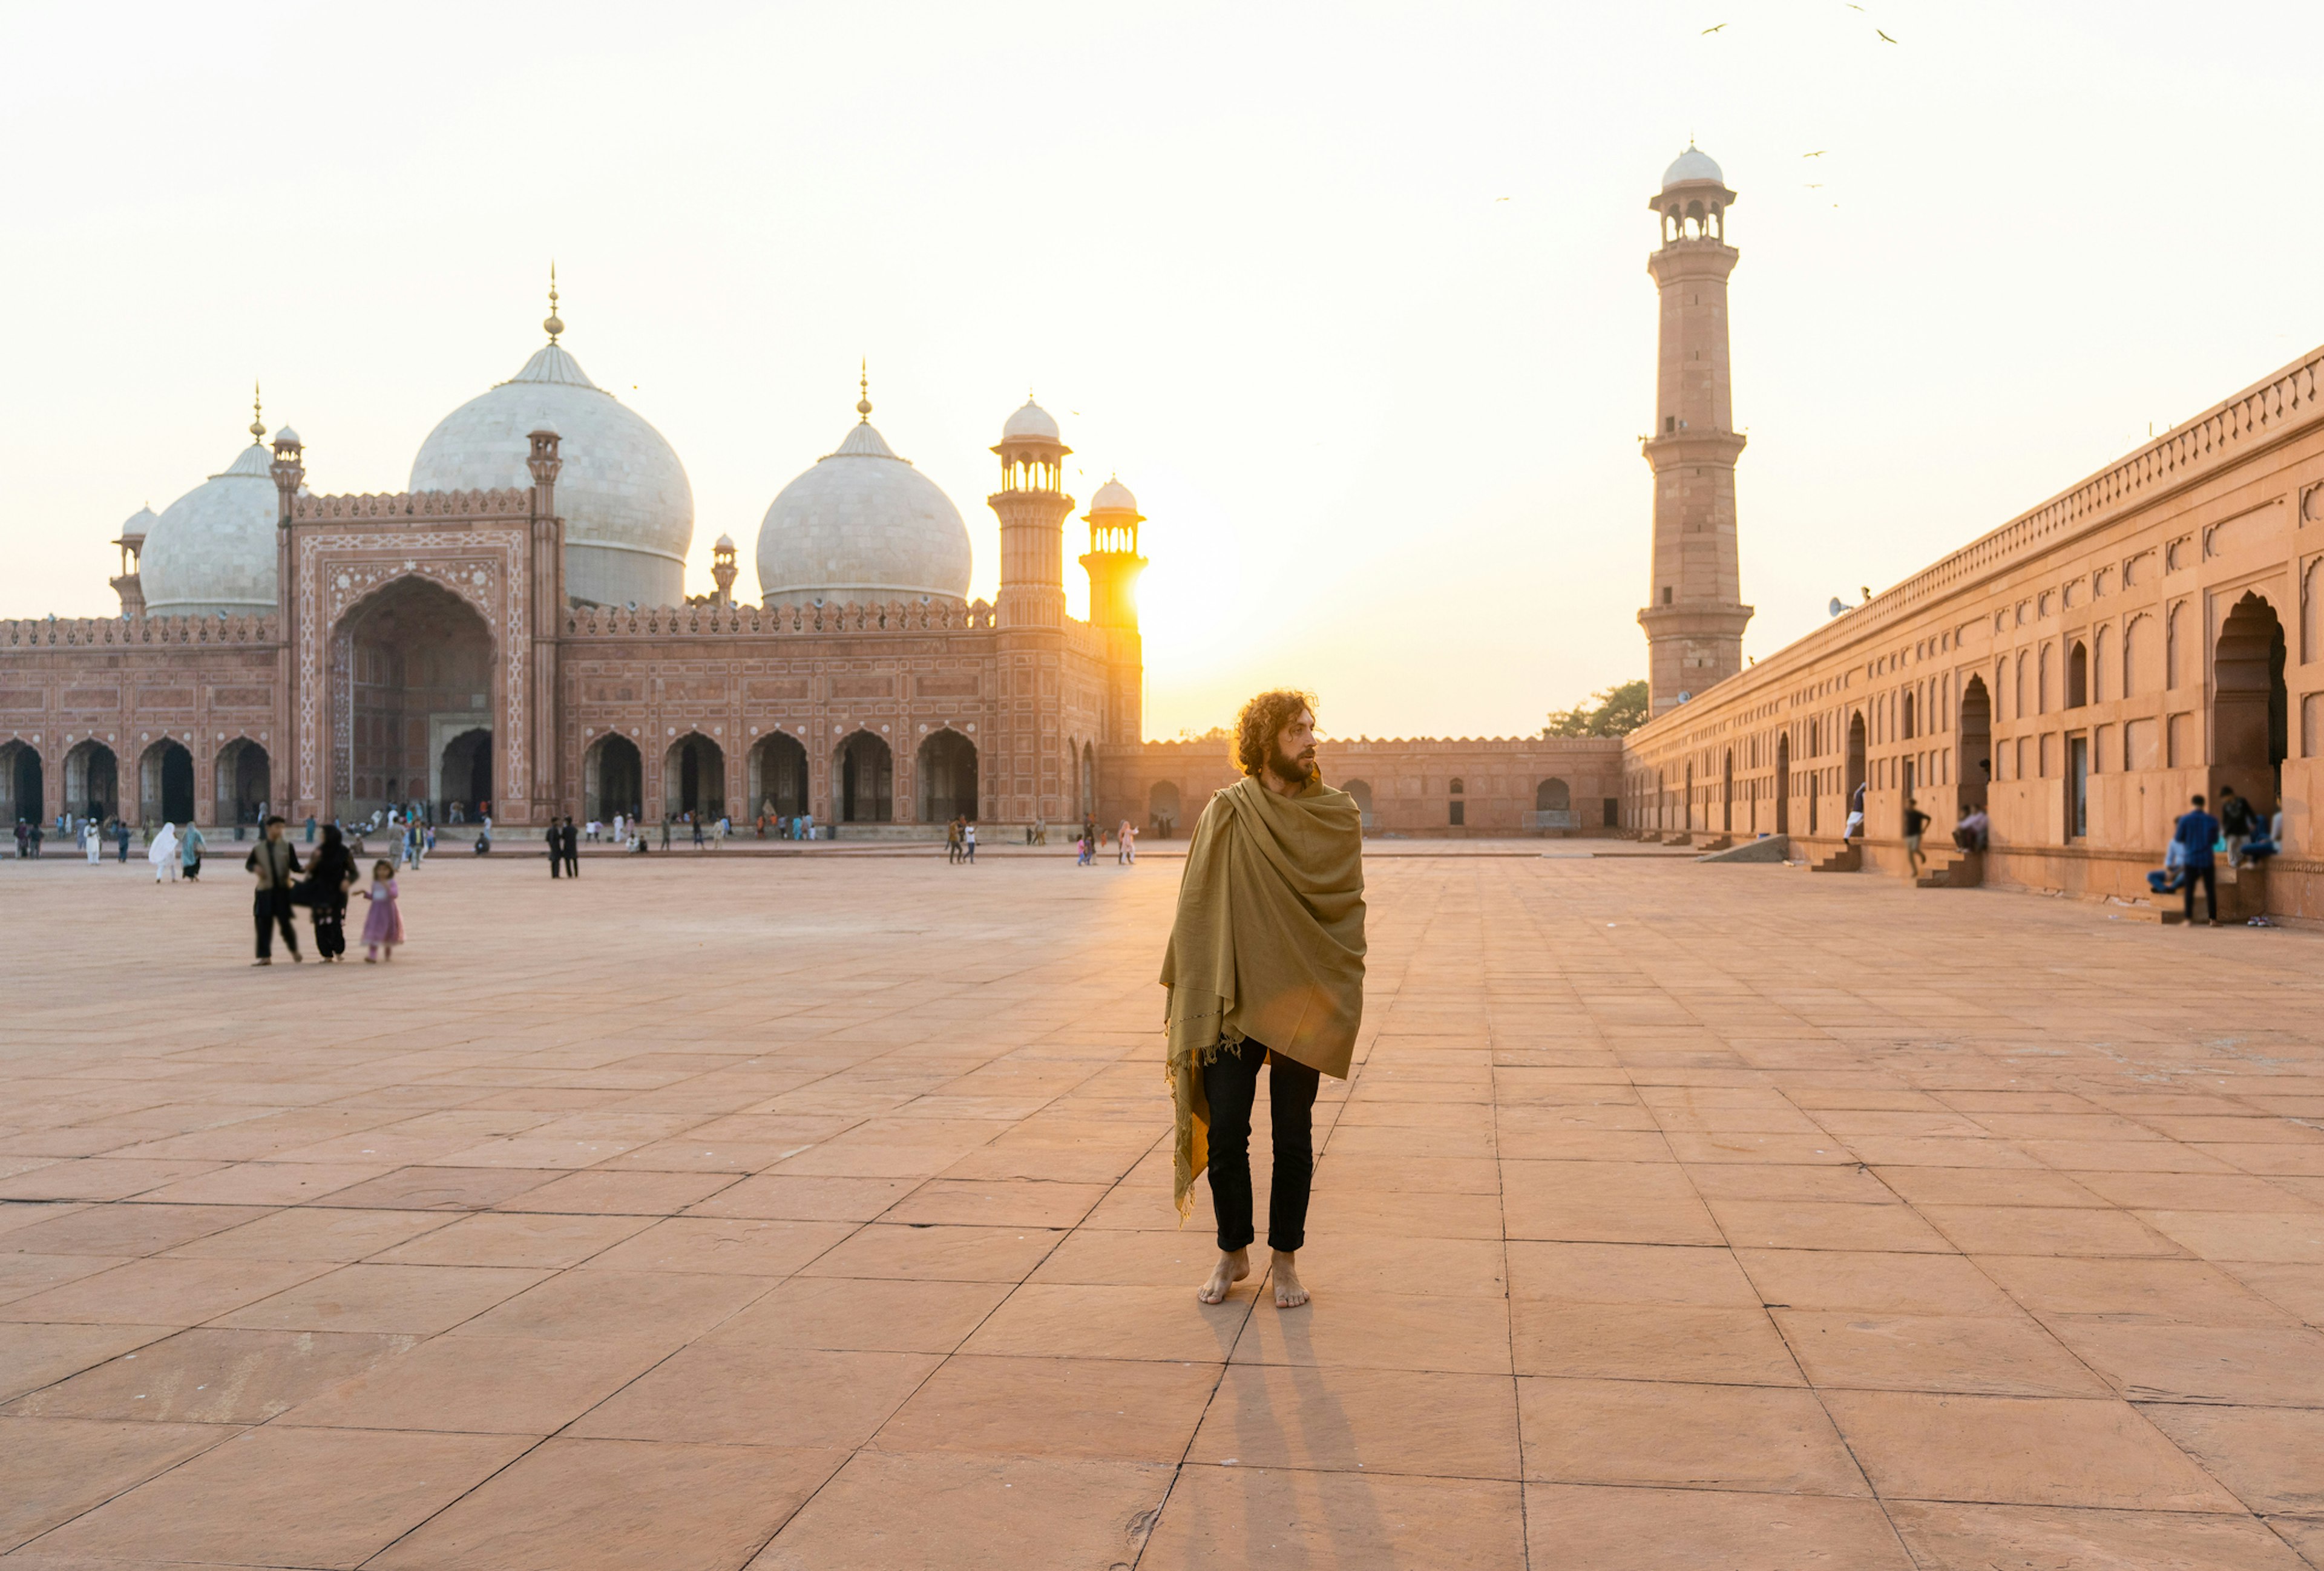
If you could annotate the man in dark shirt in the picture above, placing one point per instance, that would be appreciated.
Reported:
(273, 862)
(1916, 821)
(2195, 834)
(572, 850)
(2235, 824)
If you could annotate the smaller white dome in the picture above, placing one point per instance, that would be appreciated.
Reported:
(543, 429)
(1113, 497)
(1693, 164)
(137, 523)
(286, 435)
(212, 550)
(1030, 423)
(726, 544)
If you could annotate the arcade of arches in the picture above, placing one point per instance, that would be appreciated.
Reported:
(2079, 674)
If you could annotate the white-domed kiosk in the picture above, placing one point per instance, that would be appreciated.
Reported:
(628, 508)
(861, 525)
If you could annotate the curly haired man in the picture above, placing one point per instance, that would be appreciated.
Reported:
(1265, 969)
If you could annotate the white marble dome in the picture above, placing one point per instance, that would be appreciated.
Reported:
(628, 508)
(1113, 497)
(138, 524)
(861, 525)
(1032, 423)
(213, 549)
(1693, 164)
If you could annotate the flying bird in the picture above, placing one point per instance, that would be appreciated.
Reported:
(1884, 37)
(1500, 198)
(1708, 31)
(1818, 153)
(1815, 185)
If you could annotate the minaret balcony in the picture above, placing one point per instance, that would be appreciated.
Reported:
(1700, 445)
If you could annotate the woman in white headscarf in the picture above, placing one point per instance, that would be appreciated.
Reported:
(162, 853)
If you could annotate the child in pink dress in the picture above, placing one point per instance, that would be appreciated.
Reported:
(386, 923)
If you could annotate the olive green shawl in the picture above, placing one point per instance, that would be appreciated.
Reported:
(1269, 946)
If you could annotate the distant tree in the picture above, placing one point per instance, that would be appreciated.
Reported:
(1216, 733)
(1617, 712)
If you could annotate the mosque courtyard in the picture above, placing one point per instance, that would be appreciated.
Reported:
(814, 1212)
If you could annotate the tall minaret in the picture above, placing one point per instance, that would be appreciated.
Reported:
(1113, 565)
(1032, 504)
(1694, 616)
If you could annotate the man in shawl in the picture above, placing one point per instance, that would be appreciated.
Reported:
(1266, 967)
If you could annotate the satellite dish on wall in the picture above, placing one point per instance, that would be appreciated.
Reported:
(1836, 606)
(1682, 697)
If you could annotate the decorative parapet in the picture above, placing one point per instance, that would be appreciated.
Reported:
(774, 620)
(496, 505)
(137, 632)
(2269, 411)
(1610, 745)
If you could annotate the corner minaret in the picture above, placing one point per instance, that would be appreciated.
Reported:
(1113, 565)
(1032, 504)
(1694, 616)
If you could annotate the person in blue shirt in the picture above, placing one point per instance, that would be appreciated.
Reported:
(2195, 834)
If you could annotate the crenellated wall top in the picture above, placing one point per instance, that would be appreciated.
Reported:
(438, 505)
(137, 632)
(611, 622)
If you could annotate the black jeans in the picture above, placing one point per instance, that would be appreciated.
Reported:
(1230, 1083)
(269, 910)
(2209, 874)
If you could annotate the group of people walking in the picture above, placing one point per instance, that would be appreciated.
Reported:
(325, 886)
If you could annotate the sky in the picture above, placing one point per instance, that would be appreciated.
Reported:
(1353, 296)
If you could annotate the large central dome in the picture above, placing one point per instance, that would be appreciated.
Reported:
(628, 509)
(862, 525)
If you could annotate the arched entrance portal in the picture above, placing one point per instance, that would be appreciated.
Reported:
(1088, 780)
(165, 784)
(694, 778)
(1855, 770)
(19, 778)
(93, 781)
(412, 668)
(244, 782)
(866, 776)
(1783, 783)
(614, 778)
(1162, 805)
(1726, 795)
(947, 770)
(464, 773)
(1976, 743)
(2250, 717)
(778, 776)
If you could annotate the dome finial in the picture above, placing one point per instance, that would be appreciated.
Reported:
(863, 388)
(257, 422)
(553, 326)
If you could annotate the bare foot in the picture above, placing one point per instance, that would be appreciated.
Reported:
(1234, 1266)
(1288, 1293)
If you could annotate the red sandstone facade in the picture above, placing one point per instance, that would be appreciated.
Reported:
(2150, 632)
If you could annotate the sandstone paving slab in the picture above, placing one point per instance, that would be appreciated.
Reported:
(739, 1396)
(420, 1299)
(546, 1240)
(2267, 1456)
(215, 1377)
(59, 1468)
(23, 1275)
(1103, 1410)
(1760, 1439)
(1725, 1347)
(1934, 1353)
(319, 1234)
(1585, 1528)
(483, 1385)
(972, 1511)
(1873, 1282)
(160, 1288)
(2168, 1292)
(32, 1356)
(680, 1507)
(2020, 1451)
(2259, 1365)
(1349, 1522)
(284, 1496)
(121, 1229)
(1386, 1420)
(1952, 1536)
(860, 1315)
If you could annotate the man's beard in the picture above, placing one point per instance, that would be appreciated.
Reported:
(1297, 771)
